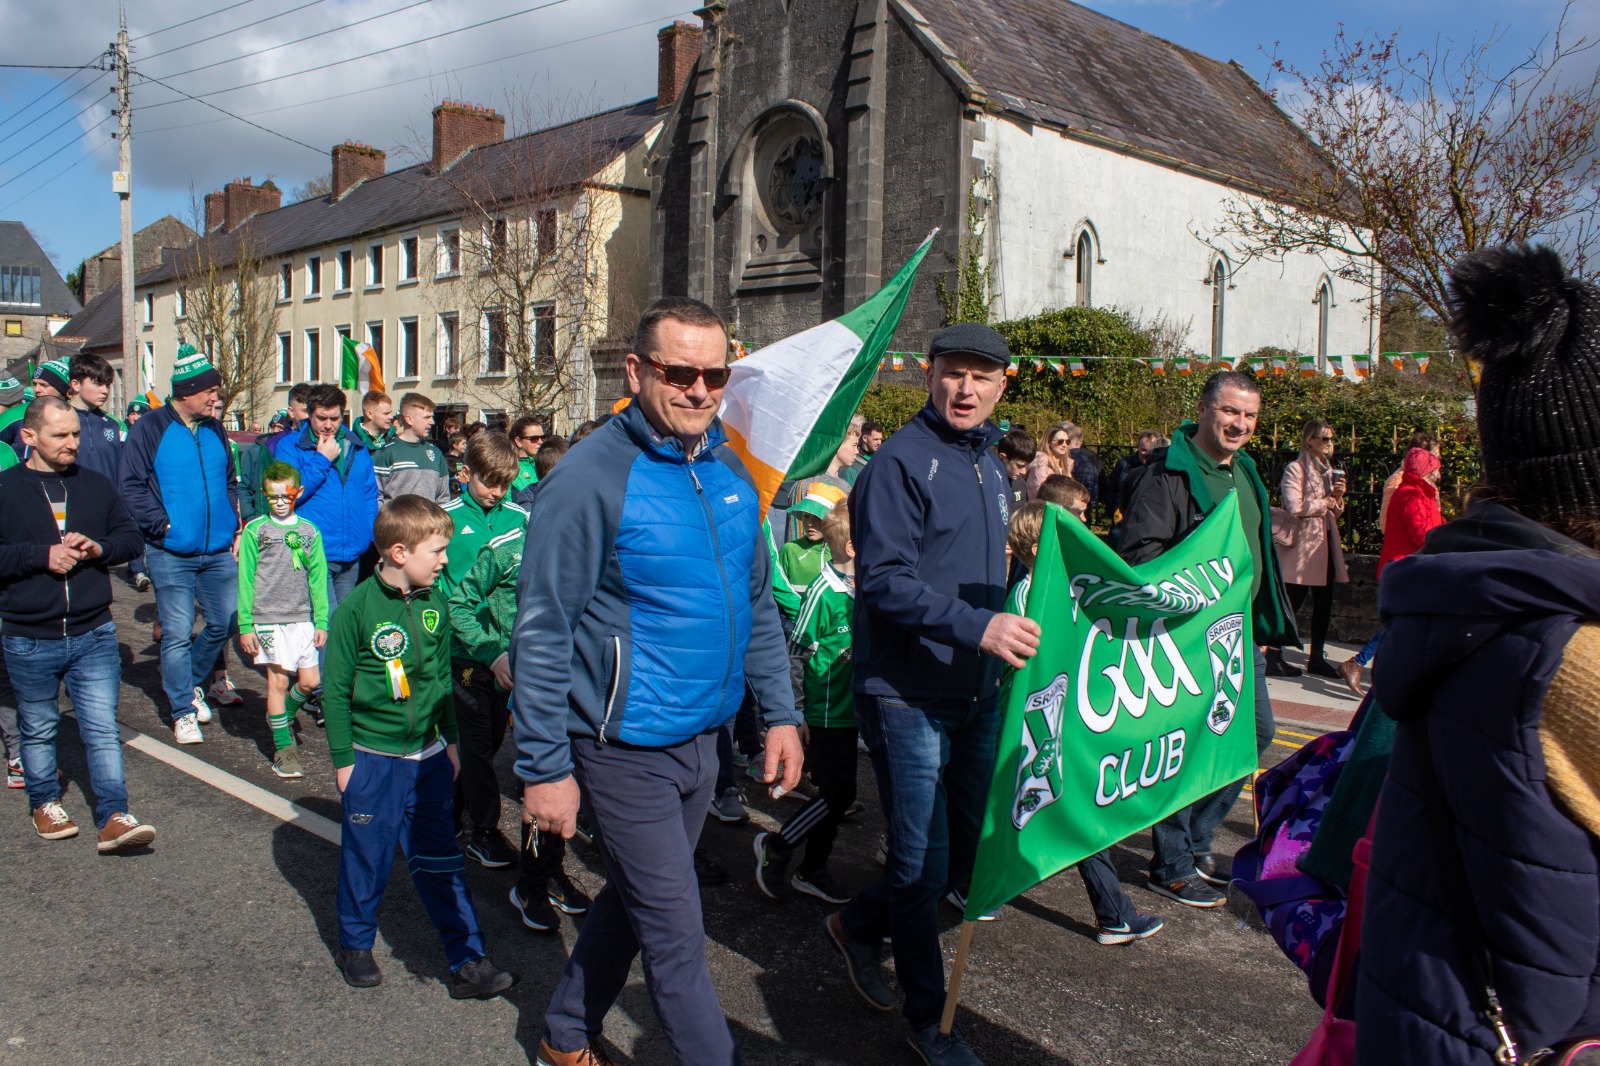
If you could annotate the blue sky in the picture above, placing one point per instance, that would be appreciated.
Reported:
(55, 164)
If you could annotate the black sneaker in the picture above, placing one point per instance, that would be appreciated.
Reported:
(708, 871)
(942, 1049)
(862, 963)
(565, 896)
(479, 979)
(490, 849)
(1138, 927)
(357, 967)
(1323, 668)
(772, 864)
(1213, 869)
(1191, 892)
(1278, 668)
(537, 913)
(820, 884)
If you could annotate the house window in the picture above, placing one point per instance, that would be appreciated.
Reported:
(1084, 257)
(341, 270)
(544, 339)
(314, 355)
(494, 342)
(410, 362)
(375, 338)
(180, 303)
(1324, 303)
(495, 236)
(13, 327)
(447, 352)
(285, 359)
(149, 307)
(545, 220)
(314, 276)
(1219, 290)
(449, 252)
(285, 281)
(344, 335)
(374, 264)
(408, 259)
(20, 285)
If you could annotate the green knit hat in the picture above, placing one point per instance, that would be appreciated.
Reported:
(57, 373)
(193, 372)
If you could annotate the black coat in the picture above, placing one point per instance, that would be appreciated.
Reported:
(34, 602)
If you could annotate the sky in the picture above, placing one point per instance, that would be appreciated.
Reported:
(561, 59)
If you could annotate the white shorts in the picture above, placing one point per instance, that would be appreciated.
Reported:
(290, 645)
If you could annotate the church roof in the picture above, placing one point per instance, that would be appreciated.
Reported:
(1060, 64)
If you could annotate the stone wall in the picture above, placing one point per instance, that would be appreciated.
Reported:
(1355, 605)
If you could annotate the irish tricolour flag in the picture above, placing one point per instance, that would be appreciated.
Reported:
(363, 369)
(787, 407)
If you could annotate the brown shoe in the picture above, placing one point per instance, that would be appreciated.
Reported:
(1350, 670)
(52, 823)
(593, 1055)
(125, 831)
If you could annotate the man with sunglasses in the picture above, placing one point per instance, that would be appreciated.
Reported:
(526, 433)
(642, 615)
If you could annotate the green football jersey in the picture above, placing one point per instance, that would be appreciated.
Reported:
(822, 638)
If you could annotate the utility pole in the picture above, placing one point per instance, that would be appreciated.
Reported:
(122, 184)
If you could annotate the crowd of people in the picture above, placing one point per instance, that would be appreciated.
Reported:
(619, 604)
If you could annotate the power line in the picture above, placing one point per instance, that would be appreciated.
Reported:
(235, 29)
(23, 173)
(301, 40)
(59, 103)
(366, 55)
(52, 129)
(41, 66)
(56, 176)
(197, 18)
(425, 77)
(230, 114)
(19, 111)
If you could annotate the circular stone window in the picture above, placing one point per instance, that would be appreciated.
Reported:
(795, 182)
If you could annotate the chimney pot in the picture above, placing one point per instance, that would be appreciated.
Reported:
(678, 52)
(354, 163)
(459, 127)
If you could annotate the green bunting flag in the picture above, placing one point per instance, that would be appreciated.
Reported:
(1140, 700)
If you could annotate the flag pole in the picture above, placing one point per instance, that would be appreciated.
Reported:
(948, 1020)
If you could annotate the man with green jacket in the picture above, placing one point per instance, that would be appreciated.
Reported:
(1183, 484)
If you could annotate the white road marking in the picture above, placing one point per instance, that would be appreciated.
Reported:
(237, 787)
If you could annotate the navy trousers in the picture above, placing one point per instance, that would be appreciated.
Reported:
(647, 806)
(407, 802)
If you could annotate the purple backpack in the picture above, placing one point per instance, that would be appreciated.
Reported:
(1302, 913)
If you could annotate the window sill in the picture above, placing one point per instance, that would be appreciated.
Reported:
(497, 374)
(341, 292)
(284, 301)
(374, 288)
(405, 283)
(447, 377)
(311, 297)
(447, 275)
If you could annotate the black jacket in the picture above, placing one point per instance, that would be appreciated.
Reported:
(35, 602)
(928, 518)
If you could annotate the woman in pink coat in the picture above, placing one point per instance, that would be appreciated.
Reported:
(1054, 458)
(1313, 561)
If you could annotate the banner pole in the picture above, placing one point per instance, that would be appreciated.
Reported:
(948, 1020)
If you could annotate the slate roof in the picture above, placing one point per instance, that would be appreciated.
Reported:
(565, 155)
(1063, 65)
(18, 248)
(100, 321)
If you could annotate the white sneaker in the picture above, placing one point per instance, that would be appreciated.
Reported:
(187, 730)
(202, 709)
(223, 694)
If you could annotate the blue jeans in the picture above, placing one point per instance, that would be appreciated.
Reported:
(934, 761)
(180, 580)
(1368, 650)
(341, 579)
(92, 670)
(1178, 838)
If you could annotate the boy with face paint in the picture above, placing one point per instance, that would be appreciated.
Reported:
(283, 607)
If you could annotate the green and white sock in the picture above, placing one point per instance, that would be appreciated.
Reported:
(281, 737)
(295, 700)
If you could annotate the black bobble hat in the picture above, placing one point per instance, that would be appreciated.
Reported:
(1535, 332)
(970, 338)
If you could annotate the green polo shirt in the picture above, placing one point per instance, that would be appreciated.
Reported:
(1220, 480)
(475, 528)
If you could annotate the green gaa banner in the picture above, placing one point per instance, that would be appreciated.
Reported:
(1140, 700)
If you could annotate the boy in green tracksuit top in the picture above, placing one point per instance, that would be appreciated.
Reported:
(482, 513)
(801, 561)
(483, 609)
(391, 728)
(283, 607)
(822, 639)
(411, 464)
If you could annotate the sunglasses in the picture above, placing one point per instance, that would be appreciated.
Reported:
(1323, 439)
(537, 436)
(684, 377)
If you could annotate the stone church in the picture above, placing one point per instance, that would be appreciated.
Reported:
(815, 143)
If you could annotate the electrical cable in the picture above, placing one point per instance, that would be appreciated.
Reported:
(235, 29)
(301, 40)
(187, 22)
(57, 175)
(28, 170)
(92, 104)
(59, 103)
(19, 111)
(230, 114)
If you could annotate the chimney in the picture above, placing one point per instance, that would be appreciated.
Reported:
(679, 51)
(458, 127)
(214, 215)
(241, 200)
(354, 163)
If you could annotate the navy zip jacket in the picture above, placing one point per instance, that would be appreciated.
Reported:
(34, 601)
(179, 483)
(100, 440)
(928, 517)
(1478, 623)
(644, 602)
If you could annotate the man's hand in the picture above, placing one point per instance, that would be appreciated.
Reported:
(501, 669)
(63, 558)
(341, 777)
(329, 447)
(319, 638)
(87, 547)
(1010, 637)
(553, 806)
(249, 644)
(455, 760)
(785, 753)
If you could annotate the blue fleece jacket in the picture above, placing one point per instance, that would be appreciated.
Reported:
(928, 517)
(644, 603)
(341, 499)
(179, 483)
